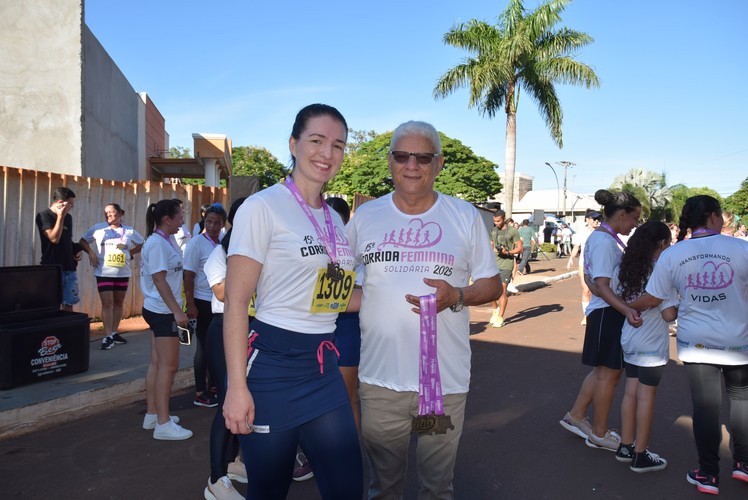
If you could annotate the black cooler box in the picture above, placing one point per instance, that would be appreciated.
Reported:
(38, 341)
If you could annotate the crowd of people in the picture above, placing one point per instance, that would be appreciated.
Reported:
(315, 330)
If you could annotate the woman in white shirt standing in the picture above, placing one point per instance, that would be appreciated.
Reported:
(710, 273)
(161, 283)
(606, 313)
(114, 245)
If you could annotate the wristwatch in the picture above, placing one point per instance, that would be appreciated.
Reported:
(457, 306)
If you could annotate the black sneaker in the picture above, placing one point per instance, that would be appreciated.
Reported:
(107, 343)
(740, 471)
(647, 462)
(207, 400)
(625, 452)
(118, 339)
(706, 483)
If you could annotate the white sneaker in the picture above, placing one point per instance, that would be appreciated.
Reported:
(511, 288)
(171, 432)
(151, 419)
(237, 471)
(222, 489)
(494, 317)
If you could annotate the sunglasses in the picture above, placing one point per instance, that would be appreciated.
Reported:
(421, 158)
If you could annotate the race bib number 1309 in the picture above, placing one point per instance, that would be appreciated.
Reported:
(332, 295)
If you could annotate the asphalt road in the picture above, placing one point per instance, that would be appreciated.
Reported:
(525, 377)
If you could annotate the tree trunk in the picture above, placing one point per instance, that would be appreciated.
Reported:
(510, 157)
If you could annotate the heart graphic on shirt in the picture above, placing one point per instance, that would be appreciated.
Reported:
(712, 276)
(416, 234)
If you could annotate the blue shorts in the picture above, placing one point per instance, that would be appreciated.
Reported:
(70, 295)
(348, 339)
(293, 377)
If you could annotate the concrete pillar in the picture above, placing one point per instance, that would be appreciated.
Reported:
(212, 175)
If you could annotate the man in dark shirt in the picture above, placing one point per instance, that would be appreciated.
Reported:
(547, 232)
(55, 226)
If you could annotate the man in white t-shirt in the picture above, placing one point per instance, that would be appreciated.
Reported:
(415, 242)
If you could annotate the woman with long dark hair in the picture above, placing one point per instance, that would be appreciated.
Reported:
(709, 271)
(161, 283)
(290, 247)
(645, 348)
(606, 313)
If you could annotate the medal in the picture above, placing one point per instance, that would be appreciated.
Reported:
(334, 272)
(431, 418)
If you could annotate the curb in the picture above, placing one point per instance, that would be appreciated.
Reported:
(534, 285)
(16, 422)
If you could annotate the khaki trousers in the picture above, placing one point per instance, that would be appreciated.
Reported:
(386, 428)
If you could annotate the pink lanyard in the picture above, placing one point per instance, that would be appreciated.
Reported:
(430, 399)
(329, 243)
(163, 234)
(211, 241)
(610, 231)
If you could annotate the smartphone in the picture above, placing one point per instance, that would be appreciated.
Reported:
(185, 334)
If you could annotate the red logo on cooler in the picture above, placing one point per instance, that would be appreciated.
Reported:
(50, 345)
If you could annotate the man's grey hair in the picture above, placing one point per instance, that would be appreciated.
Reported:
(422, 129)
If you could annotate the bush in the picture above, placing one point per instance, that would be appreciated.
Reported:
(548, 247)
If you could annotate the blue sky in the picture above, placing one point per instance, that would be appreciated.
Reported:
(673, 72)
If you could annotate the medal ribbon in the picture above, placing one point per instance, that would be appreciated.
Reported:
(430, 398)
(610, 231)
(329, 243)
(163, 235)
(704, 231)
(211, 241)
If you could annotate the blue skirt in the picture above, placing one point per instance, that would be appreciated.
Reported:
(293, 377)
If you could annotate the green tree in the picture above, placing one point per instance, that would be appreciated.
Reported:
(521, 51)
(465, 175)
(737, 202)
(650, 188)
(179, 152)
(680, 194)
(252, 160)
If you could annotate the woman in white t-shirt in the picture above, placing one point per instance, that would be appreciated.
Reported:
(606, 313)
(161, 283)
(114, 245)
(291, 248)
(592, 220)
(645, 348)
(709, 271)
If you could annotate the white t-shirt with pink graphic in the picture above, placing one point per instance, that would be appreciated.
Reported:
(711, 276)
(271, 228)
(450, 242)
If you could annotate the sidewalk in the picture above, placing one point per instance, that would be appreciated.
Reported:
(117, 376)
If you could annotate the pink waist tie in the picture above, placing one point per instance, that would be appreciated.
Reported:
(321, 353)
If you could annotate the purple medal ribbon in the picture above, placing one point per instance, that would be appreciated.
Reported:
(211, 241)
(430, 400)
(329, 243)
(704, 231)
(610, 231)
(171, 244)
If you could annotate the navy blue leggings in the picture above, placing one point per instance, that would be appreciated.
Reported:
(200, 364)
(330, 443)
(224, 446)
(706, 392)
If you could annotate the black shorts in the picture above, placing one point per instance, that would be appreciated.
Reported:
(107, 284)
(647, 375)
(162, 325)
(602, 339)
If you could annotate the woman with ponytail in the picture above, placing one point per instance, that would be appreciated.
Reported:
(606, 313)
(161, 284)
(710, 273)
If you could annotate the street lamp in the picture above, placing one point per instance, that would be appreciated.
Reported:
(558, 188)
(565, 164)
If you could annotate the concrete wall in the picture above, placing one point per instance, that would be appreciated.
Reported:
(40, 85)
(111, 108)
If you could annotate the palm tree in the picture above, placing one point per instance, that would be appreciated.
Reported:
(651, 189)
(521, 51)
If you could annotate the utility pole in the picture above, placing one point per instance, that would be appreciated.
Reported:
(566, 165)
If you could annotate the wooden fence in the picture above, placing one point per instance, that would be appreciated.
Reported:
(24, 193)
